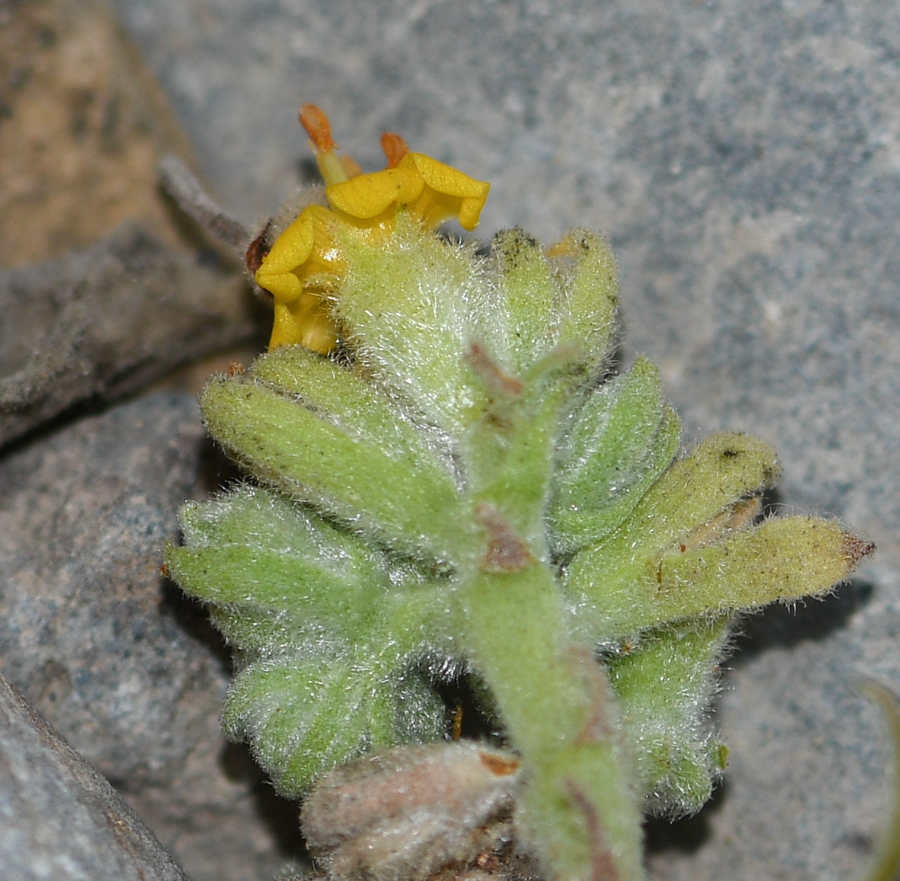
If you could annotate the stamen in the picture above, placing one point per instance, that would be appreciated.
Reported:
(351, 166)
(394, 148)
(316, 124)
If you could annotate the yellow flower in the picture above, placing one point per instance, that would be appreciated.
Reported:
(299, 272)
(305, 265)
(428, 189)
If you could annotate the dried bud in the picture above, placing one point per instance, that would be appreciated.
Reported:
(409, 812)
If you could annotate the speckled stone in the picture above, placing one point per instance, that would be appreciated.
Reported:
(60, 818)
(111, 653)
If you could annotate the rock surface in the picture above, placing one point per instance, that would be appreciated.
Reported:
(83, 124)
(101, 323)
(108, 651)
(61, 819)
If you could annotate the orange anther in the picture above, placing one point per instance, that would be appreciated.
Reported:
(394, 148)
(316, 124)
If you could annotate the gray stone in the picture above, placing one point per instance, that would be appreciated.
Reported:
(84, 515)
(102, 323)
(60, 818)
(107, 650)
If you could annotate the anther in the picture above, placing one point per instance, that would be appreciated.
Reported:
(316, 125)
(394, 148)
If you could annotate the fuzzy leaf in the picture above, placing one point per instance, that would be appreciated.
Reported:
(785, 558)
(719, 471)
(255, 633)
(303, 717)
(591, 295)
(276, 580)
(664, 686)
(616, 445)
(412, 307)
(342, 396)
(609, 581)
(411, 504)
(782, 559)
(529, 295)
(252, 550)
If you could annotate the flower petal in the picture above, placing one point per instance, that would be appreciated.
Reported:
(369, 195)
(448, 192)
(306, 247)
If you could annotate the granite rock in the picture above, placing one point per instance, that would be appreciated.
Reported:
(104, 285)
(108, 651)
(61, 819)
(102, 323)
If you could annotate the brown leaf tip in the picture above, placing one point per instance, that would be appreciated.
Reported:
(855, 549)
(258, 249)
(496, 381)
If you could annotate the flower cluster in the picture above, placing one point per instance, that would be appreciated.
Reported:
(307, 263)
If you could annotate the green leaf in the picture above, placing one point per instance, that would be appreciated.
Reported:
(614, 583)
(279, 581)
(305, 716)
(719, 471)
(782, 559)
(665, 685)
(257, 633)
(785, 558)
(394, 496)
(591, 299)
(340, 395)
(411, 306)
(529, 295)
(614, 447)
(253, 550)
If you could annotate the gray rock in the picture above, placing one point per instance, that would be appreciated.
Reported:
(745, 161)
(61, 819)
(102, 323)
(109, 652)
(84, 515)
